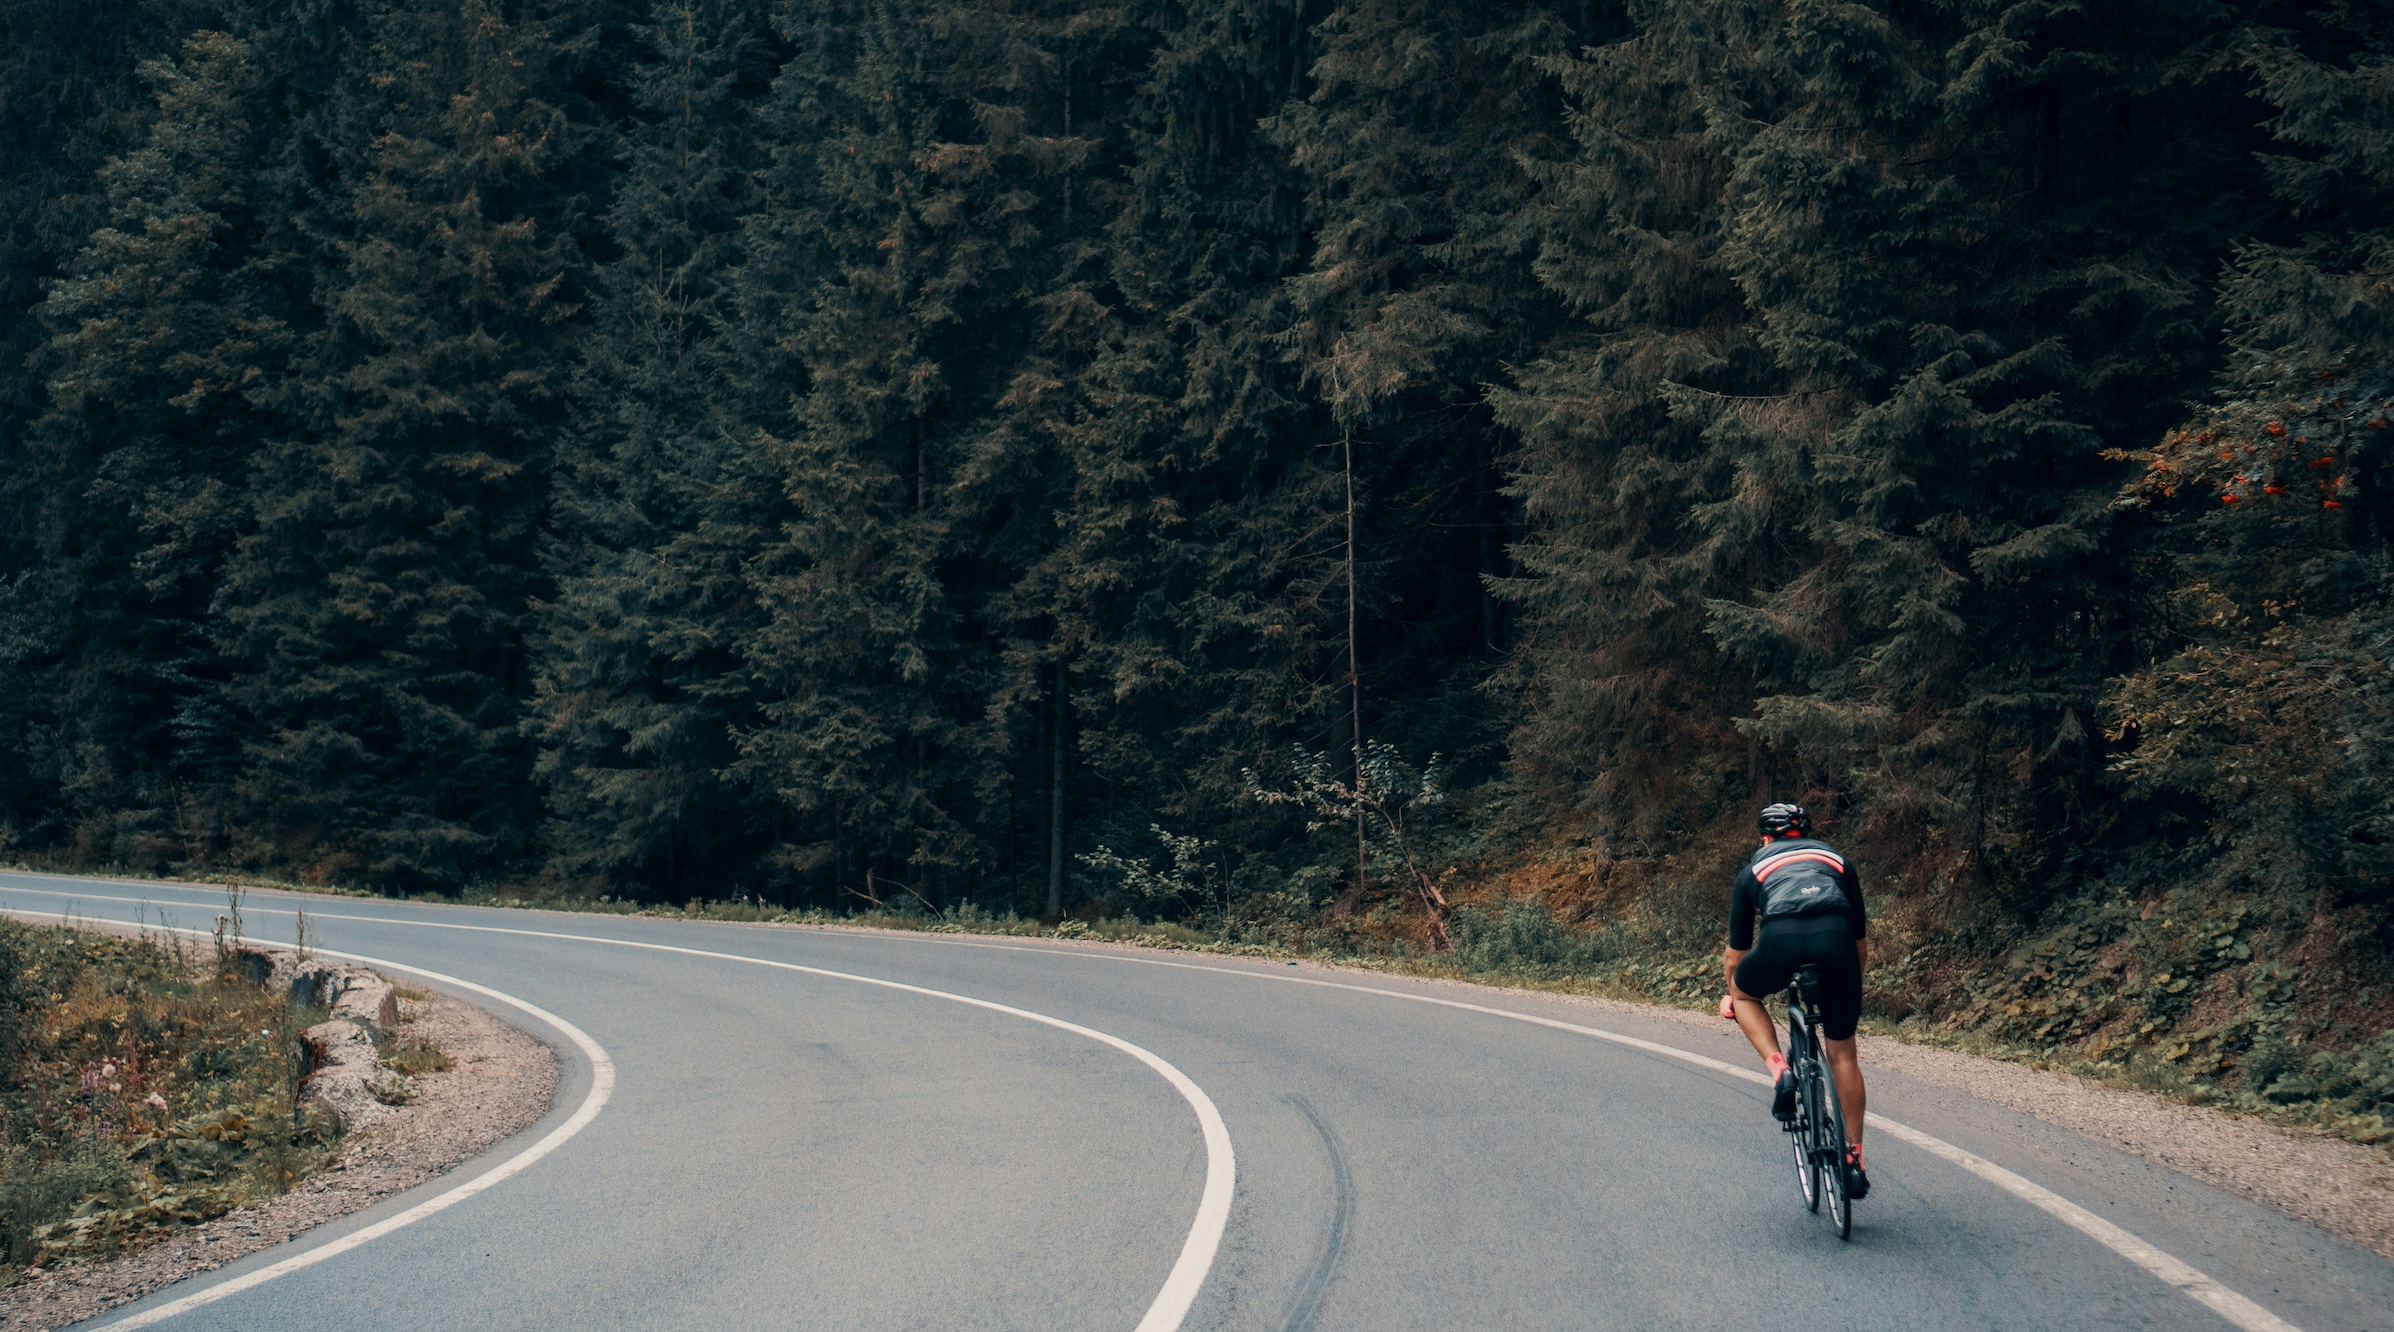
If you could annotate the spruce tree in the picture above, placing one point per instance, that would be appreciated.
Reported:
(375, 613)
(1136, 482)
(897, 447)
(1415, 142)
(1822, 483)
(72, 100)
(175, 332)
(659, 495)
(894, 275)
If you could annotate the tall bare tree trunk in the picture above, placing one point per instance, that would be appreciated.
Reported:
(1354, 667)
(1055, 800)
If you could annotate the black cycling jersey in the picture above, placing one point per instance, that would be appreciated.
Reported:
(1786, 854)
(1821, 939)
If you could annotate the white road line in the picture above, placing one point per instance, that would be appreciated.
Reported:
(2228, 1304)
(1165, 1314)
(602, 1085)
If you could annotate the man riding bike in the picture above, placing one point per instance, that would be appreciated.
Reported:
(1809, 901)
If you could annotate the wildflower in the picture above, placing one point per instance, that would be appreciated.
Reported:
(2273, 488)
(2229, 498)
(2317, 463)
(2331, 504)
(2275, 428)
(154, 1101)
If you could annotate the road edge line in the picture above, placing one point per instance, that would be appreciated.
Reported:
(2171, 1271)
(1165, 1313)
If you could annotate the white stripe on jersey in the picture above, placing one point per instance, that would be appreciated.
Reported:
(1770, 865)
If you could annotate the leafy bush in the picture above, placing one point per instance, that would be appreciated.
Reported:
(1523, 937)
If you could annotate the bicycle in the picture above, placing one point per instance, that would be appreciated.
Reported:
(1817, 1133)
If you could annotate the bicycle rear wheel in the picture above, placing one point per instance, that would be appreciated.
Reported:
(1807, 1167)
(1799, 1134)
(1831, 1137)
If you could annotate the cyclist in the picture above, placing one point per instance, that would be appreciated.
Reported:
(1809, 901)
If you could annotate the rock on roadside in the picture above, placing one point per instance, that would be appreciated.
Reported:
(347, 1076)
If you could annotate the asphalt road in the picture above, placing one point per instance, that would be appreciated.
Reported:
(784, 1148)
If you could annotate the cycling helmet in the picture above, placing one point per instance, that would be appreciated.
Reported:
(1782, 820)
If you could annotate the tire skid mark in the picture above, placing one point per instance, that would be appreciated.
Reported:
(1342, 1210)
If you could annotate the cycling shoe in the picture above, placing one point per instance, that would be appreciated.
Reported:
(1857, 1183)
(1783, 1096)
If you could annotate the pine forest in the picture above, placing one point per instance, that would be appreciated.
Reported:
(1386, 477)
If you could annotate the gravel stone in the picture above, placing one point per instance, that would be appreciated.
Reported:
(2342, 1187)
(2339, 1186)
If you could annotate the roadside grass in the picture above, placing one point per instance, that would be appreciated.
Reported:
(143, 1087)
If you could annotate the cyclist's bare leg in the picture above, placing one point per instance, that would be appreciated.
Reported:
(1752, 1019)
(1755, 1021)
(1846, 1067)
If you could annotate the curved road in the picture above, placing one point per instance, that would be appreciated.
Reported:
(781, 1147)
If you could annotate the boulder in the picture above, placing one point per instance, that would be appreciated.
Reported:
(348, 1073)
(367, 999)
(346, 1076)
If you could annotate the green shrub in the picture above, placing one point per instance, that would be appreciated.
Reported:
(412, 1055)
(1524, 938)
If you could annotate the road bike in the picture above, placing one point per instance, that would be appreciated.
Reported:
(1817, 1133)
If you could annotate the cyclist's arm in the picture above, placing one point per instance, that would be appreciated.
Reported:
(1742, 906)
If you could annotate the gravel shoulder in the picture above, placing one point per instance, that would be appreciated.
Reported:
(2342, 1187)
(500, 1082)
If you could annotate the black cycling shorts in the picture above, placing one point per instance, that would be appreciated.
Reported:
(1823, 941)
